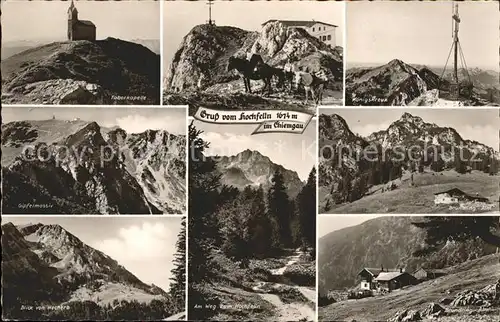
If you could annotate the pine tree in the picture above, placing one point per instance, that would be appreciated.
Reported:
(493, 169)
(437, 164)
(279, 211)
(459, 163)
(178, 286)
(203, 184)
(307, 210)
(260, 226)
(440, 230)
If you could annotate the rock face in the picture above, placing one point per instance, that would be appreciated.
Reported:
(71, 167)
(196, 59)
(59, 267)
(109, 71)
(388, 242)
(250, 168)
(203, 51)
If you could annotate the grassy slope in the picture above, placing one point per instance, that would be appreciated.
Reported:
(473, 275)
(420, 199)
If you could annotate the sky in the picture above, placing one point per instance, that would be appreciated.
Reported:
(126, 20)
(327, 224)
(145, 246)
(181, 16)
(420, 32)
(481, 125)
(295, 152)
(132, 120)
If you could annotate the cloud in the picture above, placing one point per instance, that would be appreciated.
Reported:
(138, 123)
(146, 250)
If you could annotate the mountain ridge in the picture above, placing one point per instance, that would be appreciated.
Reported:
(398, 83)
(136, 173)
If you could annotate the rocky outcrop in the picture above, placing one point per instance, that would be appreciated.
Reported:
(484, 297)
(204, 52)
(201, 60)
(406, 316)
(433, 310)
(108, 71)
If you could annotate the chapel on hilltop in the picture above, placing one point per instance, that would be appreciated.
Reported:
(79, 29)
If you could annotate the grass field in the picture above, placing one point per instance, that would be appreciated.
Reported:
(471, 275)
(419, 199)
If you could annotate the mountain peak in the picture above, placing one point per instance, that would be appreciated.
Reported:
(408, 117)
(396, 62)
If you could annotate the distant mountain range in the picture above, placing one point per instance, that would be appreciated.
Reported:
(251, 168)
(384, 242)
(398, 83)
(46, 264)
(88, 169)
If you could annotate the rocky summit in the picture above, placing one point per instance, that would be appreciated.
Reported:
(398, 83)
(251, 168)
(80, 167)
(109, 71)
(195, 59)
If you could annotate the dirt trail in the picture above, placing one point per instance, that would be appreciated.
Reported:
(295, 311)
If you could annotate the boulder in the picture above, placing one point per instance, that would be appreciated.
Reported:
(433, 310)
(406, 316)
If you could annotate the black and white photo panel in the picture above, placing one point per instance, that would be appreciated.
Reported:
(408, 160)
(409, 268)
(93, 160)
(252, 223)
(93, 268)
(253, 54)
(422, 53)
(81, 52)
